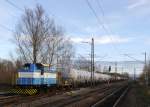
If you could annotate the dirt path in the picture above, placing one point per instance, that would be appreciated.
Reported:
(133, 99)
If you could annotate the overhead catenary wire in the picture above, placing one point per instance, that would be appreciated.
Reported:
(21, 9)
(101, 24)
(18, 8)
(100, 7)
(6, 28)
(106, 20)
(97, 17)
(14, 5)
(103, 14)
(133, 58)
(104, 17)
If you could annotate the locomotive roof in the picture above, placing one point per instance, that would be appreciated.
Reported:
(38, 64)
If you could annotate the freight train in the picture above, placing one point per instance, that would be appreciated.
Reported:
(32, 76)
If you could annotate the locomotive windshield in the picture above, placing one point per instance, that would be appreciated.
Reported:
(49, 68)
(46, 68)
(26, 67)
(39, 66)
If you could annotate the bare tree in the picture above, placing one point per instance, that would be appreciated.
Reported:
(82, 63)
(39, 39)
(66, 54)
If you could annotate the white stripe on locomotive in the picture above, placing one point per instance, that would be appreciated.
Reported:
(36, 75)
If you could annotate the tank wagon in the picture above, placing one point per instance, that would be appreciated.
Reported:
(31, 77)
(84, 77)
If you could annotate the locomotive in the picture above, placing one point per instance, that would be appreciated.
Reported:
(36, 75)
(33, 76)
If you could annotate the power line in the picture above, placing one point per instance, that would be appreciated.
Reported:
(100, 7)
(104, 17)
(103, 14)
(106, 20)
(95, 14)
(6, 28)
(14, 5)
(20, 9)
(133, 58)
(101, 24)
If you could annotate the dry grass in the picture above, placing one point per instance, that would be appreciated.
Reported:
(143, 95)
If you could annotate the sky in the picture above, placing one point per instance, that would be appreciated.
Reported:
(122, 26)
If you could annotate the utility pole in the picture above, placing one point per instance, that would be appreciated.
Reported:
(115, 70)
(122, 70)
(134, 73)
(92, 63)
(115, 67)
(146, 72)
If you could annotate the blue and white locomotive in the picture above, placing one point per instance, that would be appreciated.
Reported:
(37, 75)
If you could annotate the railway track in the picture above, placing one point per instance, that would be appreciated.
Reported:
(83, 100)
(88, 101)
(21, 99)
(8, 99)
(114, 99)
(60, 98)
(65, 102)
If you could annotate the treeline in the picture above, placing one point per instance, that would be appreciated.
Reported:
(145, 75)
(8, 71)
